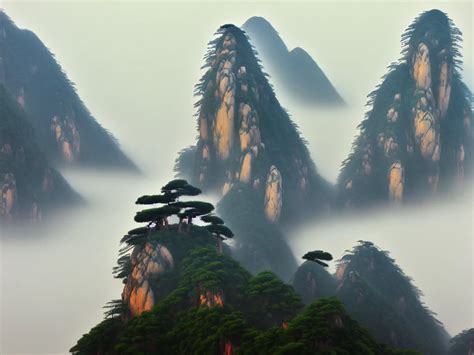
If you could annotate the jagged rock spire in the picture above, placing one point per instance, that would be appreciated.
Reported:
(418, 135)
(245, 136)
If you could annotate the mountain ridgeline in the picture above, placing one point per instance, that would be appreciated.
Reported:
(246, 137)
(417, 139)
(377, 293)
(251, 153)
(29, 186)
(66, 131)
(184, 294)
(299, 75)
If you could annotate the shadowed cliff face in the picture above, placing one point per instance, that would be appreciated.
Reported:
(418, 136)
(246, 137)
(377, 294)
(29, 187)
(66, 130)
(301, 77)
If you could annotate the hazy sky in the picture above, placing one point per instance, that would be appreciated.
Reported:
(138, 62)
(135, 66)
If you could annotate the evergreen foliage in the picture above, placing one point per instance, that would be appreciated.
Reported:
(463, 343)
(31, 72)
(180, 325)
(312, 281)
(409, 127)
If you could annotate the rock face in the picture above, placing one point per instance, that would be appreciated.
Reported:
(246, 137)
(273, 195)
(65, 129)
(418, 136)
(147, 263)
(250, 153)
(29, 186)
(299, 75)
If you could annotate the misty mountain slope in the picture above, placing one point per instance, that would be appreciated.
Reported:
(417, 138)
(378, 294)
(251, 153)
(182, 294)
(300, 75)
(66, 130)
(29, 186)
(312, 281)
(463, 343)
(245, 136)
(259, 245)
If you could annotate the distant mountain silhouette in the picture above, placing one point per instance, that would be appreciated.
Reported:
(66, 130)
(29, 186)
(299, 74)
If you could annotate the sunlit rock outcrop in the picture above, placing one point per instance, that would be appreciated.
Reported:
(29, 187)
(251, 154)
(147, 263)
(211, 299)
(417, 139)
(65, 129)
(273, 195)
(244, 134)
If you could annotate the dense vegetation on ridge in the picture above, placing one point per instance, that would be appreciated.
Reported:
(377, 294)
(203, 301)
(417, 138)
(251, 153)
(244, 132)
(186, 288)
(65, 129)
(463, 343)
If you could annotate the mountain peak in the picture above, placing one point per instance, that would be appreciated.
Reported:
(245, 136)
(417, 139)
(298, 73)
(65, 129)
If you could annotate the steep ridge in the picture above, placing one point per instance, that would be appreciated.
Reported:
(246, 137)
(377, 293)
(417, 139)
(250, 152)
(30, 187)
(184, 294)
(66, 130)
(300, 76)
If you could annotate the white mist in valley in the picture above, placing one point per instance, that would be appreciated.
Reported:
(137, 75)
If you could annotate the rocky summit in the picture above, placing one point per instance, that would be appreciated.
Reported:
(246, 137)
(251, 154)
(417, 139)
